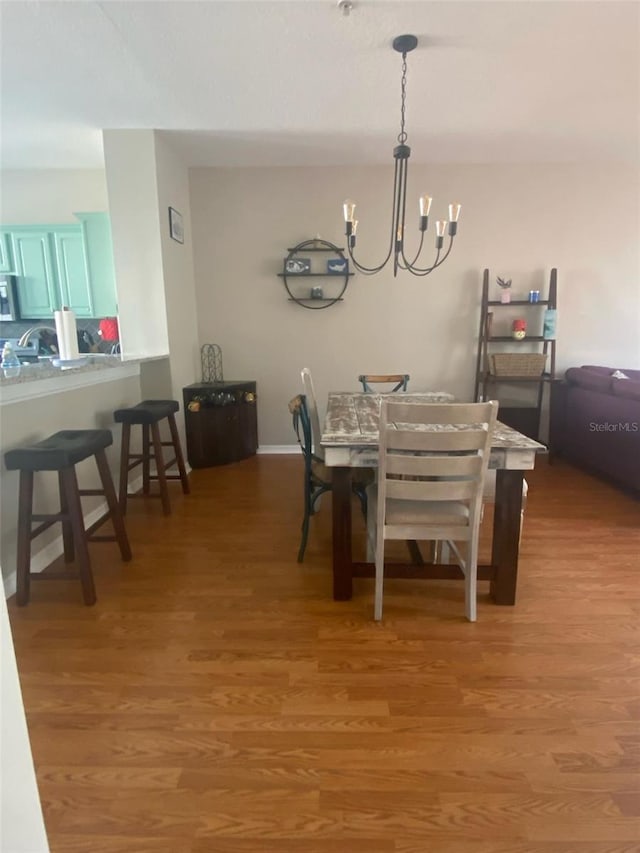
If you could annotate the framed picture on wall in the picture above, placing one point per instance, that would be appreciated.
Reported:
(337, 266)
(297, 266)
(176, 227)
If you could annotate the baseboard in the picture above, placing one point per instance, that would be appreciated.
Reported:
(55, 549)
(267, 449)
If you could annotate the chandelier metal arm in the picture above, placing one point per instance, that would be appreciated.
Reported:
(411, 264)
(403, 44)
(351, 237)
(438, 261)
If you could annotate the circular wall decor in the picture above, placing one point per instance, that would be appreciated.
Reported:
(302, 280)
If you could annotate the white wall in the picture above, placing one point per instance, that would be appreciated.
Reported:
(517, 220)
(50, 196)
(130, 165)
(177, 264)
(21, 822)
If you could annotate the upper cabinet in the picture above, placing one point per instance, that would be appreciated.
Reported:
(96, 236)
(5, 255)
(73, 271)
(32, 257)
(63, 265)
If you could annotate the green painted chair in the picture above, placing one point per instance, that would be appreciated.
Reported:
(317, 477)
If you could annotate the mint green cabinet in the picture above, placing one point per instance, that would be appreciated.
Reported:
(62, 265)
(6, 264)
(37, 285)
(96, 232)
(73, 272)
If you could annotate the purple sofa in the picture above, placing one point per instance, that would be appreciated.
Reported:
(595, 422)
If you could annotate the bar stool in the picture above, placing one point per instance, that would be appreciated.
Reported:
(61, 452)
(148, 415)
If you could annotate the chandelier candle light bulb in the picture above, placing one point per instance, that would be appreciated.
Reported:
(425, 207)
(454, 213)
(401, 153)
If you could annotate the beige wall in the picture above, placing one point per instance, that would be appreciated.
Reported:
(517, 220)
(51, 196)
(155, 276)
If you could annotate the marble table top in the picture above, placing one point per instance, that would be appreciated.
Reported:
(352, 421)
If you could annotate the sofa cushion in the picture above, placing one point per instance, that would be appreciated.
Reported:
(587, 377)
(609, 371)
(626, 388)
(597, 368)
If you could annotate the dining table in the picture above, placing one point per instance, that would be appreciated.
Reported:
(350, 440)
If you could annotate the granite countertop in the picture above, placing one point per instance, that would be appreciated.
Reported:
(43, 379)
(46, 370)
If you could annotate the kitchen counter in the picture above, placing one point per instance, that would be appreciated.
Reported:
(41, 379)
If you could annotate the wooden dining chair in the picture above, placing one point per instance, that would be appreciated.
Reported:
(317, 477)
(432, 463)
(398, 380)
(442, 553)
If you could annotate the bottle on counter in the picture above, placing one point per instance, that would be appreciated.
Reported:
(10, 362)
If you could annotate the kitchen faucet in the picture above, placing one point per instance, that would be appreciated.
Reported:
(24, 340)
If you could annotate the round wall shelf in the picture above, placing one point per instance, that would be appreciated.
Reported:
(302, 281)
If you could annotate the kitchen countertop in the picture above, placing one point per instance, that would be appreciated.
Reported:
(44, 369)
(41, 379)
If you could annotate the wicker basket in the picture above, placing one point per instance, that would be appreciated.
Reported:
(517, 363)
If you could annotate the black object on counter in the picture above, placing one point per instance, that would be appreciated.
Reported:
(49, 342)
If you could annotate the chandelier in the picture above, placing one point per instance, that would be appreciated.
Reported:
(404, 44)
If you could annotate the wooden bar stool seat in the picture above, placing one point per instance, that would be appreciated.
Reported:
(148, 415)
(61, 452)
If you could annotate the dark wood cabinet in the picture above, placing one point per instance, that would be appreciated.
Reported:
(221, 422)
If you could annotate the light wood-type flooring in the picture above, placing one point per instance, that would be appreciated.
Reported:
(216, 699)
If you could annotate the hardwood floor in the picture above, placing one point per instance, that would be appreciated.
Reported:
(216, 699)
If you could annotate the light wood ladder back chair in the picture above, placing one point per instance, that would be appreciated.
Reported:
(442, 554)
(444, 449)
(398, 380)
(312, 408)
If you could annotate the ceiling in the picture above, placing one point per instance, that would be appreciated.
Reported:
(298, 83)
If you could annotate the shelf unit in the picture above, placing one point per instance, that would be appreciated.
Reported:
(293, 280)
(522, 414)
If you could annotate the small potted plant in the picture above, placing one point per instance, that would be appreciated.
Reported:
(505, 288)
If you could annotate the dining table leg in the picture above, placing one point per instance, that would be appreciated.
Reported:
(506, 535)
(341, 521)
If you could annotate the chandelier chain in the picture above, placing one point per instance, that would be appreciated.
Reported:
(402, 136)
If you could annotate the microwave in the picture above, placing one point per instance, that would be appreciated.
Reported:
(9, 307)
